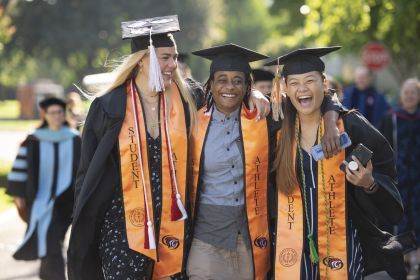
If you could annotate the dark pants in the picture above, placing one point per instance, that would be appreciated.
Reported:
(52, 267)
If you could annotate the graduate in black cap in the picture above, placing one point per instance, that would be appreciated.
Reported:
(231, 158)
(325, 216)
(130, 205)
(131, 215)
(183, 66)
(263, 80)
(42, 183)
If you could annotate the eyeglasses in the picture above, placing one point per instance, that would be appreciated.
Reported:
(52, 113)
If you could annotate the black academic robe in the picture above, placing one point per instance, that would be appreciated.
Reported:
(27, 188)
(380, 250)
(97, 178)
(99, 175)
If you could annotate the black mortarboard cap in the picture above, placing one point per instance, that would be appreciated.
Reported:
(230, 57)
(262, 75)
(49, 101)
(159, 27)
(302, 60)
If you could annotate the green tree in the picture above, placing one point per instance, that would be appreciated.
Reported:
(66, 40)
(7, 29)
(352, 24)
(288, 23)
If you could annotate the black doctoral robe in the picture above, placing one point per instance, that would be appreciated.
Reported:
(24, 180)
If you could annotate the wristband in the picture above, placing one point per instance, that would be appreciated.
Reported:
(372, 188)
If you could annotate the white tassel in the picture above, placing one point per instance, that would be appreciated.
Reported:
(181, 207)
(152, 242)
(155, 73)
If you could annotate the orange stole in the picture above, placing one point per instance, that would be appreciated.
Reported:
(170, 240)
(255, 142)
(290, 224)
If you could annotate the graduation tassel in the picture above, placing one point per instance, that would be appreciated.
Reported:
(277, 96)
(181, 207)
(313, 254)
(149, 237)
(178, 212)
(155, 73)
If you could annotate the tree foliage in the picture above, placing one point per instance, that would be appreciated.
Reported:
(66, 40)
(352, 24)
(7, 29)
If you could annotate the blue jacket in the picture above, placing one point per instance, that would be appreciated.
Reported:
(354, 98)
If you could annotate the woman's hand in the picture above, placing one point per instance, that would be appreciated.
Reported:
(331, 139)
(359, 175)
(20, 203)
(259, 101)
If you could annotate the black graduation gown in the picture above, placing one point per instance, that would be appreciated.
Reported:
(98, 177)
(28, 189)
(379, 248)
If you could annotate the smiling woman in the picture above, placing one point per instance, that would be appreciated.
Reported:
(42, 184)
(228, 90)
(230, 185)
(306, 92)
(130, 202)
(325, 218)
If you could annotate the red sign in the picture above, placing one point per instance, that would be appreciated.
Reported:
(375, 56)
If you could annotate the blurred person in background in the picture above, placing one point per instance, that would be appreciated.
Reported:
(263, 80)
(75, 114)
(336, 86)
(401, 127)
(364, 97)
(41, 182)
(184, 68)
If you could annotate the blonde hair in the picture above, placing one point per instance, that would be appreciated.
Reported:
(127, 68)
(124, 69)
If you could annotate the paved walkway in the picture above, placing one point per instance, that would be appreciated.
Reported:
(12, 230)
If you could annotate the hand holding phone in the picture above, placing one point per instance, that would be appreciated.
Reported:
(318, 154)
(361, 152)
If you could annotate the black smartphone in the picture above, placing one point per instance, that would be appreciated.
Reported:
(361, 152)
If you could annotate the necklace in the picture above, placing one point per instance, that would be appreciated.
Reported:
(152, 104)
(313, 254)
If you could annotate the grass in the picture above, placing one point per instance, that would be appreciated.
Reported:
(9, 109)
(9, 117)
(19, 125)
